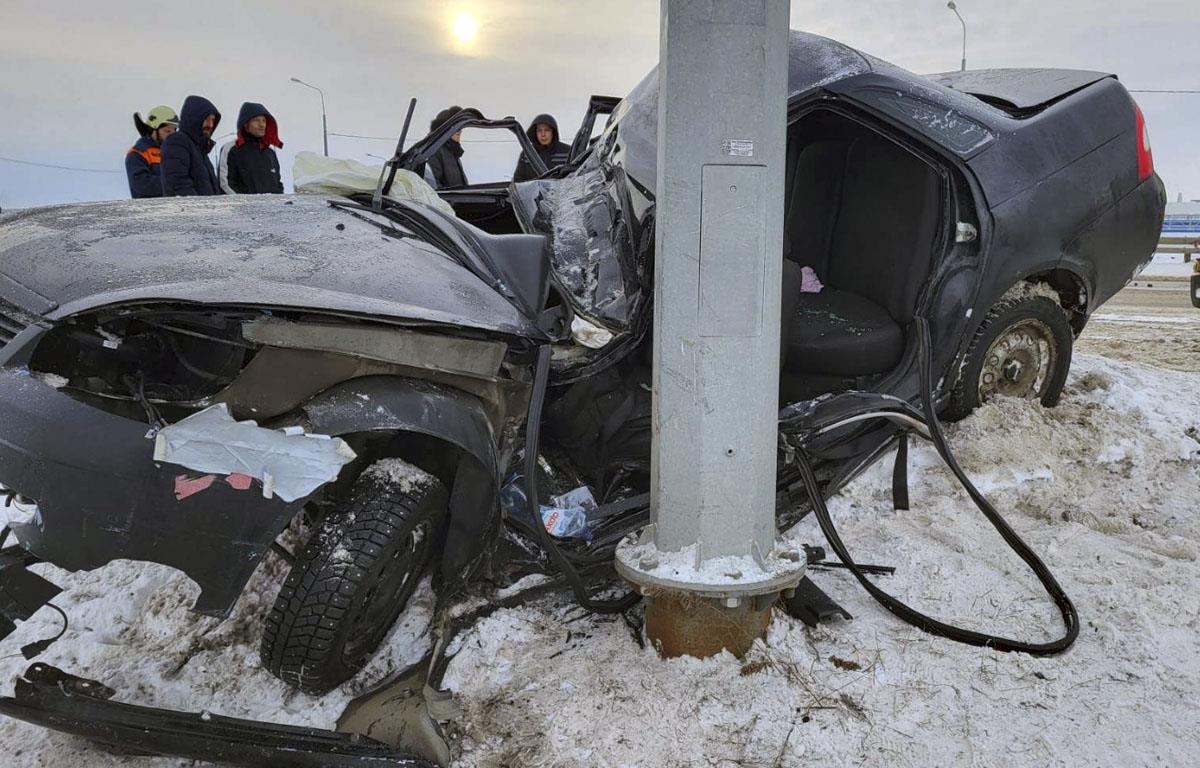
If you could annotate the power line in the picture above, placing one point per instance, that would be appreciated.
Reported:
(392, 138)
(57, 167)
(356, 136)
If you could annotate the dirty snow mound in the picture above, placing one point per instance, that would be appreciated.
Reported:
(1028, 290)
(1105, 488)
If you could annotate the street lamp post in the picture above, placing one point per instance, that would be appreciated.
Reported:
(709, 563)
(952, 6)
(324, 123)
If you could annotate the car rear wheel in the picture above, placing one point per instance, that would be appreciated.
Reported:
(354, 577)
(1022, 349)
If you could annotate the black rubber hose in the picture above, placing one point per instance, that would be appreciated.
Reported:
(533, 424)
(917, 619)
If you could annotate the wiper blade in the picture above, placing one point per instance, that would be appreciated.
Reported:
(388, 227)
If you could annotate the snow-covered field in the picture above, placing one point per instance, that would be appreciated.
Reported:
(1106, 488)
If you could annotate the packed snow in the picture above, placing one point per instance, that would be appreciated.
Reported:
(1105, 487)
(131, 628)
(400, 474)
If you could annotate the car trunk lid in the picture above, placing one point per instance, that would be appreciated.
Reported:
(1019, 91)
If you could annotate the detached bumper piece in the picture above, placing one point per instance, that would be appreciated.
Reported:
(55, 699)
(22, 592)
(810, 604)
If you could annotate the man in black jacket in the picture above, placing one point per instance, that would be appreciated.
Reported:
(445, 168)
(186, 169)
(248, 165)
(543, 132)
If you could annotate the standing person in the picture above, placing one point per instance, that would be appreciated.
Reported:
(248, 165)
(543, 132)
(186, 169)
(445, 168)
(142, 161)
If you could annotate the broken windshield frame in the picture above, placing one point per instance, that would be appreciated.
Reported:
(419, 154)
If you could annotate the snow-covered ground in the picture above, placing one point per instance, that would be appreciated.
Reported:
(1105, 487)
(1167, 265)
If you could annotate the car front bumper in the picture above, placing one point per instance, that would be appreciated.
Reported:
(52, 698)
(101, 496)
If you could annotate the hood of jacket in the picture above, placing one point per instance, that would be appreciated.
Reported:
(191, 120)
(140, 124)
(549, 120)
(248, 112)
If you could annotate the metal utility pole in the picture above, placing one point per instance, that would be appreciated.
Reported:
(952, 6)
(324, 122)
(708, 564)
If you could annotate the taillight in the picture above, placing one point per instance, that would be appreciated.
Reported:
(1145, 156)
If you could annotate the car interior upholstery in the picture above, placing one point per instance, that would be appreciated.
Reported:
(864, 213)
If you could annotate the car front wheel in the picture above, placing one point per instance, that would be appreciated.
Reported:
(1022, 349)
(354, 577)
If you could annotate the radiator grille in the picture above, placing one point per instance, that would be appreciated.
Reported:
(13, 320)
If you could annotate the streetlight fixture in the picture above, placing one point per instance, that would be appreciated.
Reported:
(954, 8)
(324, 123)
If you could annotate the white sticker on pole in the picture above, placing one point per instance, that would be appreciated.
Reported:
(737, 147)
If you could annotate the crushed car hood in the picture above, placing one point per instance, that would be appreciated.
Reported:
(271, 251)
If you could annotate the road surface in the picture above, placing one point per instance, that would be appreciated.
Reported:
(1154, 325)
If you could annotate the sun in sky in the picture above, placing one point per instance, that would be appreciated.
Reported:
(465, 29)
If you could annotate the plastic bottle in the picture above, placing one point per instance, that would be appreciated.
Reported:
(560, 522)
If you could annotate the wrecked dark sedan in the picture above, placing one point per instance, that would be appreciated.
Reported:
(183, 380)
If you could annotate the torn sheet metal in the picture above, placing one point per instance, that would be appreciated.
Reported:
(595, 254)
(290, 466)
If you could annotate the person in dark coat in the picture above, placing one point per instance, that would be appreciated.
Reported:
(143, 160)
(248, 165)
(445, 168)
(543, 132)
(186, 169)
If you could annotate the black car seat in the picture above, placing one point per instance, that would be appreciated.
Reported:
(864, 214)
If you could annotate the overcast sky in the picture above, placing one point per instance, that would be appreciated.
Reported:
(74, 71)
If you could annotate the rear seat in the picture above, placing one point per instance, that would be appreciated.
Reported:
(864, 215)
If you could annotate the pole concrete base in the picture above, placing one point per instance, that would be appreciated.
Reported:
(700, 607)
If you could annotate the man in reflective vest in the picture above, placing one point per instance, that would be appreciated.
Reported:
(142, 161)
